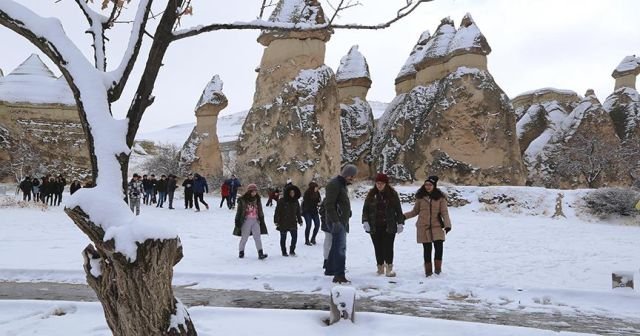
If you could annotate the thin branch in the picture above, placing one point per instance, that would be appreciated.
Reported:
(264, 6)
(260, 24)
(95, 21)
(341, 7)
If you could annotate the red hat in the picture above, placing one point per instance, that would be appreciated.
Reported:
(252, 186)
(382, 178)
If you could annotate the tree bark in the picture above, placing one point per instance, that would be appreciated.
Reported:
(137, 297)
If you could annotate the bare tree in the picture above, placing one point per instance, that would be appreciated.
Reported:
(166, 161)
(132, 278)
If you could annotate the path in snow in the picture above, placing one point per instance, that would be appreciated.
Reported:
(458, 309)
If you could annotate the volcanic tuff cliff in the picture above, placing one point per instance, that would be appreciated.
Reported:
(292, 129)
(356, 117)
(450, 118)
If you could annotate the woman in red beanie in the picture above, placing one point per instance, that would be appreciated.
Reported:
(382, 218)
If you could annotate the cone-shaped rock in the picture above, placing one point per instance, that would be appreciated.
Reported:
(406, 78)
(356, 117)
(293, 127)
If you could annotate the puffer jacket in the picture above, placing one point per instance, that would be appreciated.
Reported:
(428, 226)
(288, 214)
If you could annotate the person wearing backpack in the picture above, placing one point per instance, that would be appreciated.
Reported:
(433, 222)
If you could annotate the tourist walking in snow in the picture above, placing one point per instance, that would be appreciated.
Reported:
(136, 191)
(187, 184)
(382, 218)
(274, 195)
(60, 183)
(172, 185)
(250, 221)
(224, 193)
(154, 184)
(287, 217)
(234, 184)
(26, 187)
(75, 186)
(161, 188)
(148, 189)
(433, 222)
(310, 202)
(200, 187)
(35, 188)
(338, 212)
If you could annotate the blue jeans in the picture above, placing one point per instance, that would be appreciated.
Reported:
(161, 198)
(283, 240)
(308, 217)
(338, 253)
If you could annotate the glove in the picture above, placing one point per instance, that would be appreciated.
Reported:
(447, 229)
(366, 227)
(400, 228)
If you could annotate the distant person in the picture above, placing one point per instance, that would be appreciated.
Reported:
(187, 184)
(172, 185)
(148, 189)
(161, 188)
(75, 186)
(26, 186)
(35, 189)
(338, 212)
(382, 218)
(234, 185)
(433, 222)
(287, 217)
(154, 191)
(249, 221)
(225, 194)
(60, 183)
(310, 202)
(136, 191)
(274, 195)
(200, 187)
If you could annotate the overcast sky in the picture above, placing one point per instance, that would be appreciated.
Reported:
(568, 44)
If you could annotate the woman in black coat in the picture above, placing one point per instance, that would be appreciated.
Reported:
(382, 218)
(287, 217)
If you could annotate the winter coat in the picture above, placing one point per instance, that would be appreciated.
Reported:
(234, 184)
(188, 186)
(161, 186)
(147, 184)
(310, 201)
(171, 185)
(35, 182)
(428, 226)
(337, 204)
(26, 185)
(287, 215)
(135, 189)
(224, 190)
(200, 185)
(74, 187)
(241, 216)
(389, 202)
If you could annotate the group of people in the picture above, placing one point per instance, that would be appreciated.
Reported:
(382, 219)
(150, 190)
(48, 189)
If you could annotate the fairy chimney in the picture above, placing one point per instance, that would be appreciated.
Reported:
(406, 78)
(292, 129)
(626, 72)
(356, 117)
(201, 151)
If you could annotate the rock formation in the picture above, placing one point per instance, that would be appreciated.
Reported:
(454, 120)
(627, 72)
(356, 119)
(201, 151)
(40, 130)
(292, 129)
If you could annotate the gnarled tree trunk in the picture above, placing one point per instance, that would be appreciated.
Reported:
(126, 288)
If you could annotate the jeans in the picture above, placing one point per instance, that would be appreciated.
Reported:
(134, 204)
(308, 217)
(338, 252)
(147, 196)
(170, 194)
(283, 240)
(161, 198)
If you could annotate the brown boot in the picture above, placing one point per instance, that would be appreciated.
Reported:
(390, 273)
(438, 266)
(380, 270)
(428, 270)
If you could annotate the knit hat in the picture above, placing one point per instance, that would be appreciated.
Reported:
(433, 180)
(349, 170)
(382, 178)
(252, 186)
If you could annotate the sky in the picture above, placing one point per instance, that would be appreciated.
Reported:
(569, 44)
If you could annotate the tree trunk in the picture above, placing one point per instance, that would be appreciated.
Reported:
(137, 297)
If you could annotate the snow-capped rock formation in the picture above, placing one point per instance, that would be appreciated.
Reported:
(626, 72)
(201, 152)
(624, 103)
(40, 130)
(356, 119)
(454, 121)
(292, 130)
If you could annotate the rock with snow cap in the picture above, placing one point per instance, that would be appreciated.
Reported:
(297, 13)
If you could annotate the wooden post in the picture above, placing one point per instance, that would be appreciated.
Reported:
(343, 304)
(622, 279)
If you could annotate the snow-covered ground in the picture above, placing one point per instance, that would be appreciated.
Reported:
(512, 254)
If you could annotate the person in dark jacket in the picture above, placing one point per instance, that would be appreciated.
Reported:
(135, 191)
(161, 188)
(234, 185)
(187, 184)
(154, 189)
(172, 185)
(310, 202)
(287, 217)
(382, 218)
(148, 189)
(249, 221)
(338, 212)
(35, 187)
(26, 187)
(75, 186)
(200, 187)
(61, 182)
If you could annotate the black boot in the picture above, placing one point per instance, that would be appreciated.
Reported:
(292, 251)
(241, 254)
(284, 252)
(261, 255)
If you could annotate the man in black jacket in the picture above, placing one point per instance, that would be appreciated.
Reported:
(187, 184)
(171, 188)
(26, 186)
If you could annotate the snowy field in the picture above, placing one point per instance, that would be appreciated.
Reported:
(515, 256)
